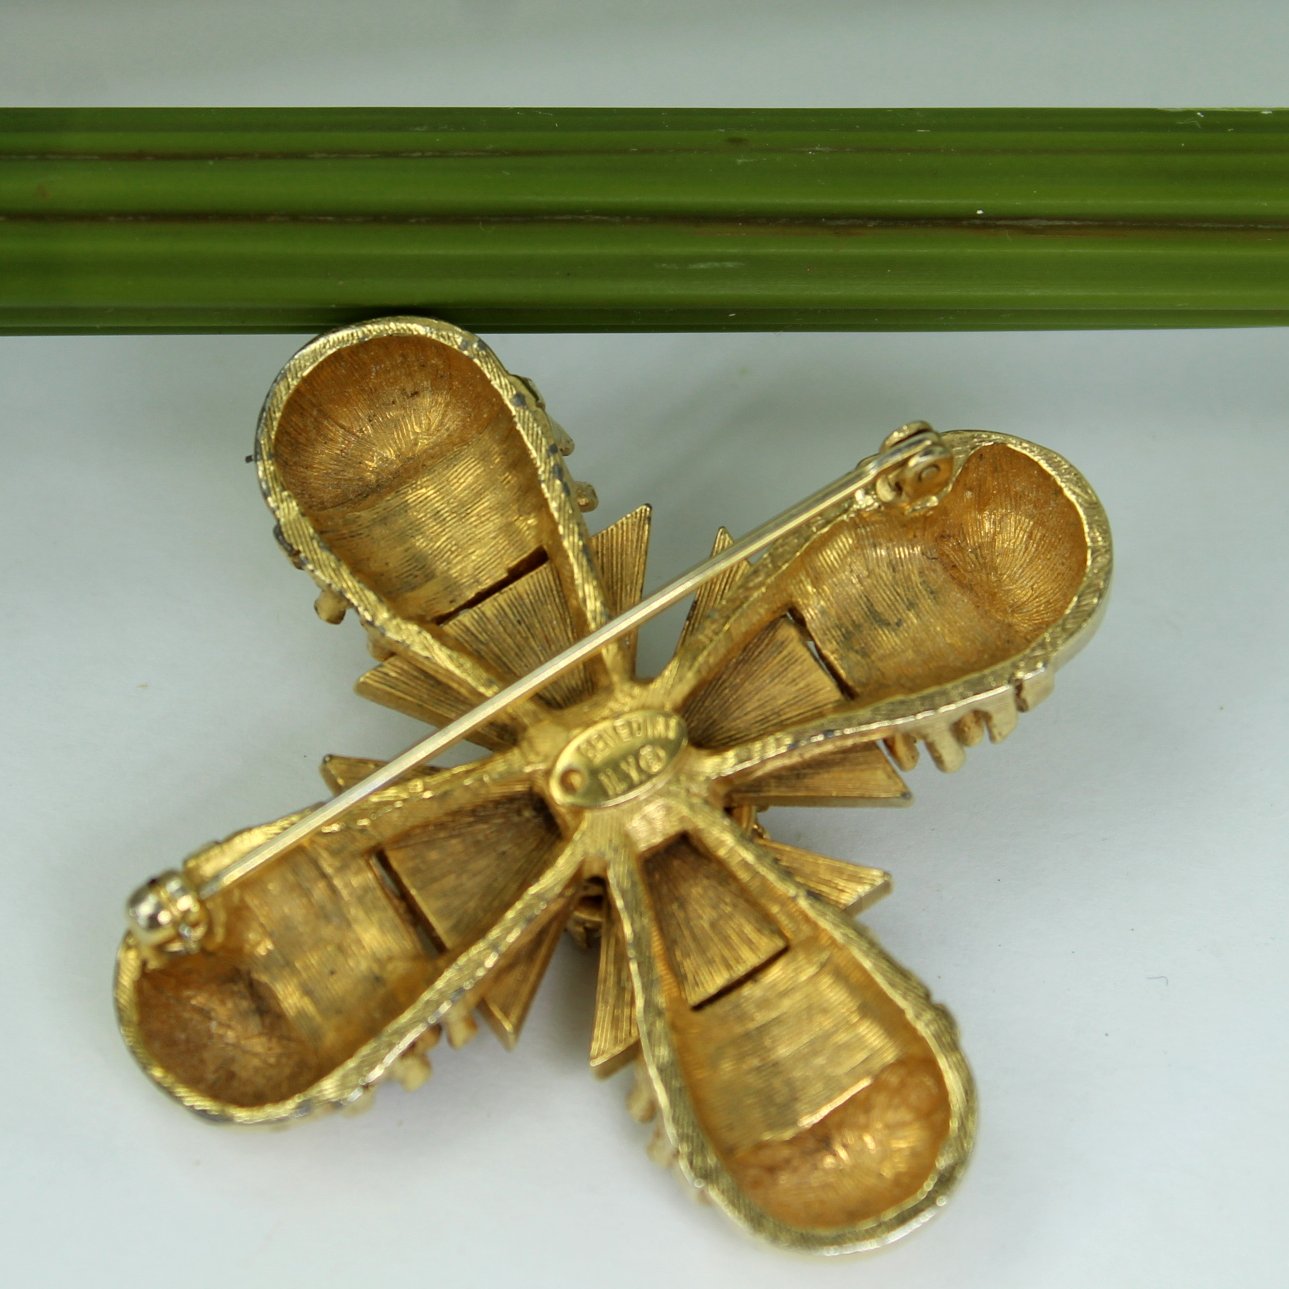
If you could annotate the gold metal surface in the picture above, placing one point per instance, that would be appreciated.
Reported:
(798, 1076)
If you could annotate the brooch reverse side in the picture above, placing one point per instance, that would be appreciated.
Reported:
(798, 1076)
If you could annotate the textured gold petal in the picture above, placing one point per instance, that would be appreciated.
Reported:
(415, 690)
(315, 965)
(848, 887)
(901, 604)
(614, 1037)
(937, 621)
(713, 935)
(515, 629)
(775, 681)
(510, 990)
(274, 1005)
(518, 627)
(822, 1100)
(822, 774)
(341, 772)
(621, 551)
(712, 592)
(470, 864)
(414, 476)
(510, 993)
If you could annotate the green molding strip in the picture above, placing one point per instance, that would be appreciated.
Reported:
(195, 219)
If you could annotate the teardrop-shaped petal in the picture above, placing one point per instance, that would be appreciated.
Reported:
(819, 1095)
(932, 623)
(436, 894)
(420, 482)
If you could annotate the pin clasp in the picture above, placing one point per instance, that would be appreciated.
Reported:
(166, 917)
(920, 475)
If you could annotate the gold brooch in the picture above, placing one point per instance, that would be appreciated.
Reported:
(798, 1076)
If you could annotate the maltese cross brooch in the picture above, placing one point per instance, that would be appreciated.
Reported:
(798, 1077)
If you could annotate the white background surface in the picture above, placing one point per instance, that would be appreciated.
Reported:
(1100, 901)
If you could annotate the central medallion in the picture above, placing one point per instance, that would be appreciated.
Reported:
(617, 758)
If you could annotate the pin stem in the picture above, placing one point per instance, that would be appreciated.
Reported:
(675, 591)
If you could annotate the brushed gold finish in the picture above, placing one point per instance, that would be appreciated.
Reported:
(848, 887)
(615, 1039)
(796, 1075)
